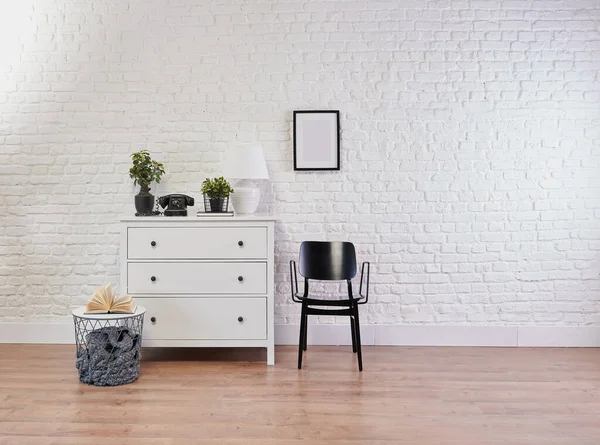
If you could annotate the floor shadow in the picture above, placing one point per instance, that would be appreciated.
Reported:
(204, 354)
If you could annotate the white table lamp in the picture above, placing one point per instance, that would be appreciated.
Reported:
(246, 164)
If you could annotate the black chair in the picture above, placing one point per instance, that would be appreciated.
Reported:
(329, 261)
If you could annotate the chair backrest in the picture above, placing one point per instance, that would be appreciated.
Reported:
(327, 260)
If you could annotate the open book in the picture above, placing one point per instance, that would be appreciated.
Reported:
(105, 301)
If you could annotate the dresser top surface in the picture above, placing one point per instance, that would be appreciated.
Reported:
(196, 219)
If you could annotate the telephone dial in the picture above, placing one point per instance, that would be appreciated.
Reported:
(176, 205)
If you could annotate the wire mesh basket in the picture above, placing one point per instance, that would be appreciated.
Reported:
(218, 205)
(108, 347)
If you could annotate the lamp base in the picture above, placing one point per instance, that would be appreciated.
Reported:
(245, 198)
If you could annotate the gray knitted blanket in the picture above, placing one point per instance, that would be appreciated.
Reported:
(111, 357)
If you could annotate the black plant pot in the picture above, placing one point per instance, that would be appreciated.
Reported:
(216, 205)
(144, 203)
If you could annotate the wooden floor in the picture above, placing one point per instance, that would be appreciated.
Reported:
(436, 396)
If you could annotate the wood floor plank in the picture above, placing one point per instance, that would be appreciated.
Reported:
(451, 396)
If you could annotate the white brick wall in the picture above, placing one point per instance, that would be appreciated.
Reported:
(470, 143)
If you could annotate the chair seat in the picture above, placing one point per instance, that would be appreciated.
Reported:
(347, 302)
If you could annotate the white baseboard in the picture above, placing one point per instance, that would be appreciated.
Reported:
(339, 334)
(581, 336)
(46, 333)
(446, 335)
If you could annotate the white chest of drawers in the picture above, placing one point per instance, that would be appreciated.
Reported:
(204, 281)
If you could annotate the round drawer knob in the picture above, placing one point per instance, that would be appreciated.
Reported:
(153, 243)
(240, 278)
(152, 278)
(240, 319)
(240, 243)
(153, 319)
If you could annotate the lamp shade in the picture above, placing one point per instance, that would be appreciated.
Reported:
(246, 163)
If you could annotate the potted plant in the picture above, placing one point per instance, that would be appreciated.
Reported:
(217, 190)
(144, 172)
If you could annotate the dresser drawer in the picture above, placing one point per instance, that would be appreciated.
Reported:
(196, 242)
(197, 278)
(204, 318)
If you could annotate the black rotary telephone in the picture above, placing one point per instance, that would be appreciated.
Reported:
(175, 204)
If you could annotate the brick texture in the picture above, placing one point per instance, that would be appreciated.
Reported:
(470, 143)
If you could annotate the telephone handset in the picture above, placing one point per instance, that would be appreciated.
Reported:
(175, 204)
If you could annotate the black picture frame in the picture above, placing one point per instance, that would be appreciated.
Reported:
(300, 163)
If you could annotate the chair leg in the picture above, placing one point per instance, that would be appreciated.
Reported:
(353, 332)
(305, 332)
(352, 328)
(358, 345)
(301, 339)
